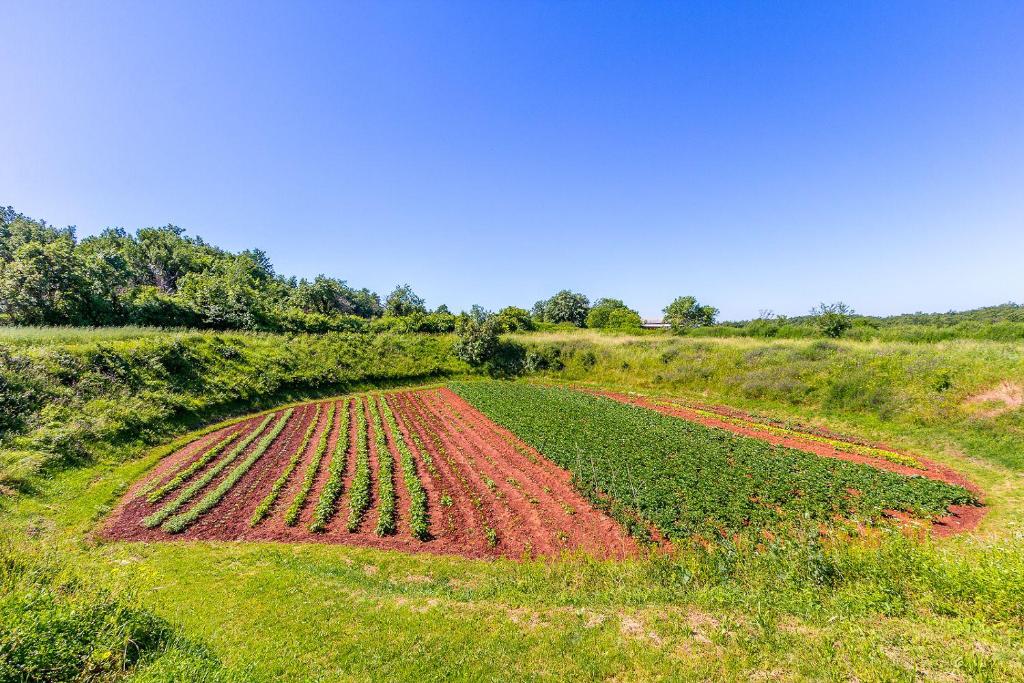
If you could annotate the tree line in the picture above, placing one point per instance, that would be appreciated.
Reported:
(163, 277)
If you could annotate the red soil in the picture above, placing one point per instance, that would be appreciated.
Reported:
(961, 518)
(481, 478)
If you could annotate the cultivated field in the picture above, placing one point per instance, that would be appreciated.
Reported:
(415, 470)
(425, 470)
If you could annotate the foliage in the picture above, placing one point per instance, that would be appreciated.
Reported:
(833, 319)
(291, 517)
(359, 492)
(326, 506)
(478, 341)
(263, 509)
(403, 301)
(328, 296)
(685, 313)
(563, 307)
(657, 468)
(162, 277)
(419, 523)
(183, 520)
(513, 319)
(613, 314)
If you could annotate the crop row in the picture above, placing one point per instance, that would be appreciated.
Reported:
(327, 504)
(200, 462)
(686, 478)
(291, 517)
(182, 521)
(431, 428)
(385, 475)
(359, 495)
(263, 509)
(839, 445)
(419, 523)
(158, 517)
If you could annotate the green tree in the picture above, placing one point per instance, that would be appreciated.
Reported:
(686, 313)
(833, 319)
(403, 301)
(564, 307)
(41, 278)
(329, 296)
(612, 314)
(232, 296)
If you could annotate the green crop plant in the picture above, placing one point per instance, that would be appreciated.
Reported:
(359, 495)
(385, 475)
(685, 478)
(200, 462)
(182, 521)
(291, 517)
(327, 504)
(158, 517)
(419, 522)
(263, 509)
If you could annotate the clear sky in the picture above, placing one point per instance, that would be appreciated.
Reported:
(762, 155)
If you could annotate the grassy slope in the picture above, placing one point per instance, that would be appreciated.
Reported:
(878, 611)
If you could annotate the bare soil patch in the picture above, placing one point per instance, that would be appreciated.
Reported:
(1002, 398)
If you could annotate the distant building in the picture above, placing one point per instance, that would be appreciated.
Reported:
(654, 324)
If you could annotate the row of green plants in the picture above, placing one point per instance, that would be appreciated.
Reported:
(359, 494)
(291, 517)
(418, 412)
(181, 521)
(327, 504)
(839, 445)
(419, 521)
(182, 476)
(386, 513)
(263, 509)
(687, 479)
(159, 516)
(430, 425)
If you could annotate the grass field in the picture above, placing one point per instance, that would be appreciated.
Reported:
(879, 606)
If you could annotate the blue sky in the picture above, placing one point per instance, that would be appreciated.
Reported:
(756, 155)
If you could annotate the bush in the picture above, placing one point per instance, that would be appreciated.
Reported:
(833, 319)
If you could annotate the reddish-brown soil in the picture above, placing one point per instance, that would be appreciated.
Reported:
(961, 517)
(488, 493)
